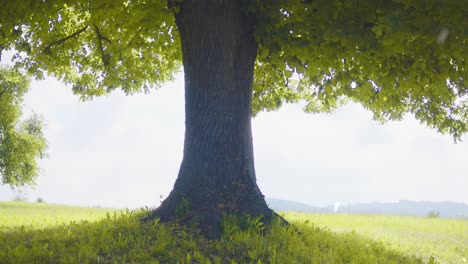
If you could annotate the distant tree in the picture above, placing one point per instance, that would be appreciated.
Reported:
(21, 142)
(19, 198)
(244, 56)
(433, 214)
(40, 200)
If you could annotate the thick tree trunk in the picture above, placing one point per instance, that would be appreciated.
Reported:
(217, 174)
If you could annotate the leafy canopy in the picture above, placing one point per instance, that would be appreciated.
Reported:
(393, 57)
(21, 142)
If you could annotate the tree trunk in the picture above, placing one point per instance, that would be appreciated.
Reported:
(217, 174)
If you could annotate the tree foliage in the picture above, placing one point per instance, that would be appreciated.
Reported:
(21, 142)
(393, 57)
(97, 46)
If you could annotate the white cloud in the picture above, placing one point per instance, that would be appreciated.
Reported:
(348, 157)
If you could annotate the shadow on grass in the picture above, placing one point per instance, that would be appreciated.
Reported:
(122, 238)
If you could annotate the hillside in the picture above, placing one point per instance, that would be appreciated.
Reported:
(98, 236)
(403, 208)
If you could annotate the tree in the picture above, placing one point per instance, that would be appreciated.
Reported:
(245, 56)
(21, 142)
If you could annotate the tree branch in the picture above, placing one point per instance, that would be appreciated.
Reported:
(2, 47)
(62, 40)
(100, 36)
(104, 56)
(2, 92)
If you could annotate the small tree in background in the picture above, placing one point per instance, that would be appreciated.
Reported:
(21, 142)
(433, 214)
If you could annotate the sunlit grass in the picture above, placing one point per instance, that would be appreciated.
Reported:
(41, 233)
(41, 215)
(445, 239)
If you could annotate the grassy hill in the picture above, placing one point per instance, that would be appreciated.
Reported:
(43, 233)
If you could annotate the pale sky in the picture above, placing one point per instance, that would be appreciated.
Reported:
(125, 151)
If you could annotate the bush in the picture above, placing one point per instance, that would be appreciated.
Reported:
(433, 214)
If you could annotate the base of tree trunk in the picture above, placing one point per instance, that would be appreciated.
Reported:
(208, 215)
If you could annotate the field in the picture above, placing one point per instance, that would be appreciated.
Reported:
(444, 239)
(43, 233)
(42, 215)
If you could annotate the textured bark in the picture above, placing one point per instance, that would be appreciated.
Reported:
(217, 174)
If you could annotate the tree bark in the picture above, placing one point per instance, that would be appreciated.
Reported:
(217, 174)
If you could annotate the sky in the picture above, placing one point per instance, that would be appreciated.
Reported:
(125, 151)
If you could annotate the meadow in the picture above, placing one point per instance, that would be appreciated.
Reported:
(444, 239)
(42, 215)
(44, 233)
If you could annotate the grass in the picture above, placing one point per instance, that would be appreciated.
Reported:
(42, 215)
(61, 234)
(444, 239)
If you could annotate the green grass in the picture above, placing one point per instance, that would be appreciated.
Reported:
(41, 233)
(42, 215)
(444, 239)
